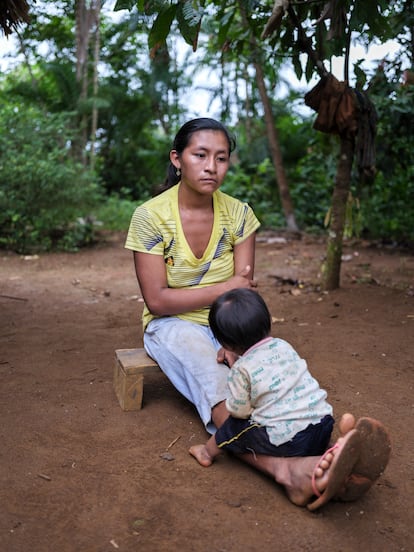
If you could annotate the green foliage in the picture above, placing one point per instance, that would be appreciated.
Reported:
(388, 207)
(50, 84)
(312, 179)
(255, 186)
(133, 150)
(115, 213)
(161, 27)
(371, 18)
(310, 163)
(45, 197)
(379, 208)
(128, 4)
(137, 99)
(139, 111)
(189, 20)
(187, 15)
(387, 202)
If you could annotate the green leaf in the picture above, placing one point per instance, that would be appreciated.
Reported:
(161, 27)
(125, 5)
(309, 70)
(189, 21)
(223, 34)
(297, 66)
(360, 75)
(367, 17)
(191, 15)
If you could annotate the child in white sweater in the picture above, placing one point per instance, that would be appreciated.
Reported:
(275, 407)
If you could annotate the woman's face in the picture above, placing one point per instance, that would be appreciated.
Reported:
(204, 162)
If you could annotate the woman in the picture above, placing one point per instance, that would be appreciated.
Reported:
(192, 243)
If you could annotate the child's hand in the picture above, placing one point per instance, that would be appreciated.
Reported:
(226, 357)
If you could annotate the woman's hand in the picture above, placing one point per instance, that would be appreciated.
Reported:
(241, 280)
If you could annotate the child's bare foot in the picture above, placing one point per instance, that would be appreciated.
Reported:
(372, 461)
(201, 455)
(346, 423)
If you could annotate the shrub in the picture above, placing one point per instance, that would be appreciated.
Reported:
(45, 195)
(115, 213)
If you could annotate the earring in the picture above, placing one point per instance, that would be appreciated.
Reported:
(178, 172)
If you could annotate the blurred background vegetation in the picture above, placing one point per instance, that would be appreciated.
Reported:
(88, 116)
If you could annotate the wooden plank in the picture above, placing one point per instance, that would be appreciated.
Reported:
(136, 361)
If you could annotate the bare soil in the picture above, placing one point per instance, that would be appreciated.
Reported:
(79, 474)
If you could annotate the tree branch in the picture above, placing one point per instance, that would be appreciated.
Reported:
(305, 43)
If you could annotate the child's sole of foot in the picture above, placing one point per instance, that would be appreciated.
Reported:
(375, 450)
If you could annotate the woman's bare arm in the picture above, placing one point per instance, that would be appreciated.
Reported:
(244, 254)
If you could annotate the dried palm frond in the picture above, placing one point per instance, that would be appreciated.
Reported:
(12, 14)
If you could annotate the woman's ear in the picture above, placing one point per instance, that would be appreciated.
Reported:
(175, 159)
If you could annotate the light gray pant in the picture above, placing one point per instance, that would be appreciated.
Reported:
(187, 353)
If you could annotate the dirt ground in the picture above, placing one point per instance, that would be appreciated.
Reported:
(79, 474)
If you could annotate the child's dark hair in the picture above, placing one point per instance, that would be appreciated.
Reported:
(183, 138)
(240, 318)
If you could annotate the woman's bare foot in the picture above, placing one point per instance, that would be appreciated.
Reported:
(304, 477)
(322, 476)
(334, 468)
(302, 487)
(201, 454)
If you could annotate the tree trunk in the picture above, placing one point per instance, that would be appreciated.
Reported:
(247, 104)
(82, 41)
(85, 19)
(276, 153)
(332, 265)
(96, 6)
(272, 134)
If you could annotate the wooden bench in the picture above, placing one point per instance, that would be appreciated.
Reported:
(131, 365)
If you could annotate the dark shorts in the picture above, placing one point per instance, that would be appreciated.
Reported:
(241, 436)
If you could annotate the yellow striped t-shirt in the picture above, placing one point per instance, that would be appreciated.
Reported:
(156, 229)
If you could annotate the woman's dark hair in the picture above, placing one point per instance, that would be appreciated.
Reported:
(183, 138)
(240, 318)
